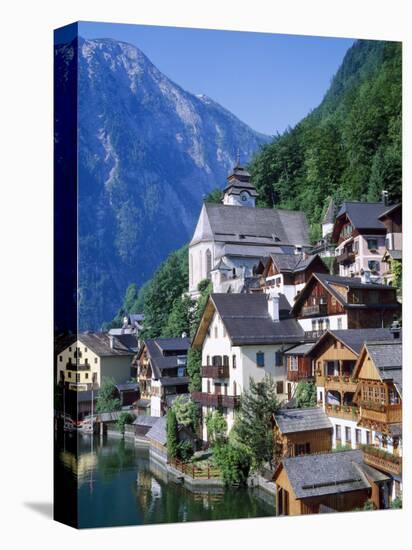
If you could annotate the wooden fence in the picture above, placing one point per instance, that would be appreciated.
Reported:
(190, 469)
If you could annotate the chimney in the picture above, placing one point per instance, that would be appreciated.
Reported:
(111, 341)
(396, 330)
(184, 335)
(273, 306)
(385, 197)
(365, 276)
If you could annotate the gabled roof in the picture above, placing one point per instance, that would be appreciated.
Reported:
(157, 347)
(302, 420)
(394, 254)
(327, 281)
(387, 358)
(390, 210)
(158, 431)
(224, 223)
(247, 320)
(363, 215)
(99, 343)
(294, 263)
(354, 338)
(301, 349)
(325, 473)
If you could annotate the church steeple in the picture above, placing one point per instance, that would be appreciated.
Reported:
(239, 190)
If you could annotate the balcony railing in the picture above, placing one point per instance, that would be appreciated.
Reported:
(207, 399)
(385, 414)
(212, 371)
(346, 412)
(340, 383)
(216, 400)
(77, 367)
(347, 257)
(316, 309)
(382, 460)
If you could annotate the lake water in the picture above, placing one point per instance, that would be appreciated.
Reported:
(113, 482)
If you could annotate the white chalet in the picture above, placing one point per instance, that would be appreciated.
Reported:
(231, 238)
(242, 336)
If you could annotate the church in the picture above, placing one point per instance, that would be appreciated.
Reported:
(231, 238)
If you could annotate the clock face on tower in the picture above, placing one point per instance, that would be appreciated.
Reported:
(244, 196)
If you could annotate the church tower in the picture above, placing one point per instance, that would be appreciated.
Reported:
(239, 191)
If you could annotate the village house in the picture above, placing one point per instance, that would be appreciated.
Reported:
(379, 397)
(161, 372)
(231, 238)
(302, 431)
(334, 357)
(360, 236)
(298, 367)
(392, 220)
(328, 482)
(85, 363)
(335, 302)
(242, 336)
(288, 273)
(130, 329)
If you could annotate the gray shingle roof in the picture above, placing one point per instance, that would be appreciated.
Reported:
(174, 380)
(145, 420)
(127, 386)
(247, 320)
(394, 254)
(226, 221)
(387, 357)
(355, 338)
(390, 210)
(158, 346)
(364, 215)
(302, 420)
(302, 349)
(325, 473)
(158, 431)
(99, 342)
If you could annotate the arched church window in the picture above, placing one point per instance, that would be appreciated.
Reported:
(208, 263)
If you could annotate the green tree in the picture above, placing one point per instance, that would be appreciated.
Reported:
(194, 365)
(216, 427)
(180, 318)
(171, 434)
(234, 463)
(396, 504)
(186, 412)
(254, 422)
(106, 400)
(124, 418)
(215, 196)
(396, 268)
(305, 394)
(205, 287)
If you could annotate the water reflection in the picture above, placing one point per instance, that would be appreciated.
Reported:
(117, 484)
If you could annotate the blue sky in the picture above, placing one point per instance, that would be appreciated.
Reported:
(270, 81)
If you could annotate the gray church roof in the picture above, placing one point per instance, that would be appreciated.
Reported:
(302, 420)
(268, 225)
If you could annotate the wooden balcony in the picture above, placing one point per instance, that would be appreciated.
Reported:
(347, 257)
(346, 412)
(296, 376)
(230, 401)
(207, 399)
(212, 371)
(382, 460)
(382, 414)
(317, 309)
(340, 383)
(78, 367)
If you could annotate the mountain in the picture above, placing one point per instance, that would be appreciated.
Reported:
(148, 152)
(350, 147)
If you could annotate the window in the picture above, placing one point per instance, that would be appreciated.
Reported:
(225, 360)
(348, 435)
(85, 350)
(358, 435)
(302, 449)
(339, 323)
(373, 265)
(208, 360)
(278, 359)
(320, 324)
(368, 438)
(234, 361)
(208, 386)
(86, 375)
(216, 334)
(260, 359)
(86, 361)
(78, 377)
(372, 244)
(313, 324)
(321, 396)
(181, 372)
(384, 441)
(70, 349)
(327, 324)
(338, 433)
(69, 374)
(279, 387)
(293, 363)
(60, 358)
(95, 360)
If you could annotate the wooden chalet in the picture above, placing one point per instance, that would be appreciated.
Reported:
(302, 431)
(338, 482)
(289, 269)
(379, 397)
(331, 301)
